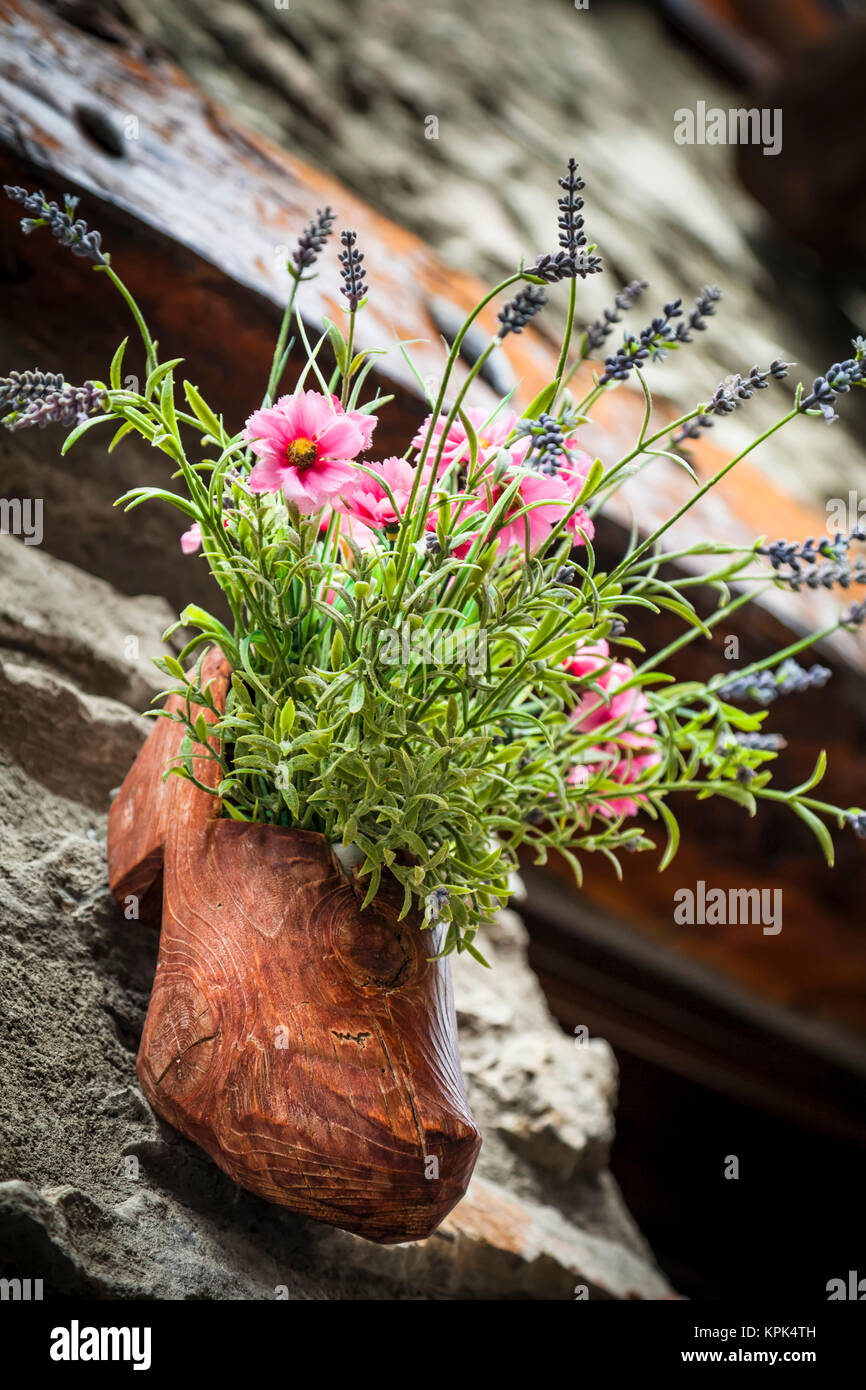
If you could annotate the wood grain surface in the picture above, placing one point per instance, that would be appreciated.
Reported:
(309, 1047)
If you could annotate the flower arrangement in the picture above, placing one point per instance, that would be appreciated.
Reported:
(429, 667)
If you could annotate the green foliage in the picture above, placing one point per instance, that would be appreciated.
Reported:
(413, 697)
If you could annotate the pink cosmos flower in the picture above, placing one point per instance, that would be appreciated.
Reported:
(304, 445)
(549, 497)
(631, 748)
(491, 435)
(368, 501)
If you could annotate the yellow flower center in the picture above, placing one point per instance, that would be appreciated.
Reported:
(301, 453)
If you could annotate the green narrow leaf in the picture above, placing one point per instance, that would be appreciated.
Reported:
(673, 829)
(157, 375)
(475, 953)
(593, 478)
(338, 345)
(115, 374)
(287, 718)
(817, 773)
(541, 402)
(452, 716)
(203, 412)
(166, 404)
(818, 829)
(82, 429)
(120, 434)
(291, 798)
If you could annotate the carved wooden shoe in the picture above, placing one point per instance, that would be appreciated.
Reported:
(310, 1048)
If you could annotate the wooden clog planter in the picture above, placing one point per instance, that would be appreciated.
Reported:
(309, 1047)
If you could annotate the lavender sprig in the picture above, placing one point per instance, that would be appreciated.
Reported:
(705, 308)
(551, 444)
(793, 553)
(66, 405)
(728, 396)
(434, 904)
(312, 240)
(69, 231)
(835, 382)
(518, 311)
(763, 687)
(795, 563)
(547, 442)
(762, 743)
(352, 270)
(570, 220)
(650, 343)
(596, 333)
(826, 576)
(571, 260)
(660, 335)
(20, 388)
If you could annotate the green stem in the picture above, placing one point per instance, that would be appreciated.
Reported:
(411, 517)
(576, 364)
(650, 541)
(693, 632)
(566, 343)
(405, 537)
(644, 444)
(282, 338)
(590, 398)
(347, 376)
(765, 793)
(144, 331)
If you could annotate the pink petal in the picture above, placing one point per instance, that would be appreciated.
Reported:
(310, 413)
(366, 424)
(190, 541)
(582, 524)
(339, 438)
(267, 475)
(310, 488)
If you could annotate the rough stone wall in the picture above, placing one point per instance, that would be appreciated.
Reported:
(97, 1196)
